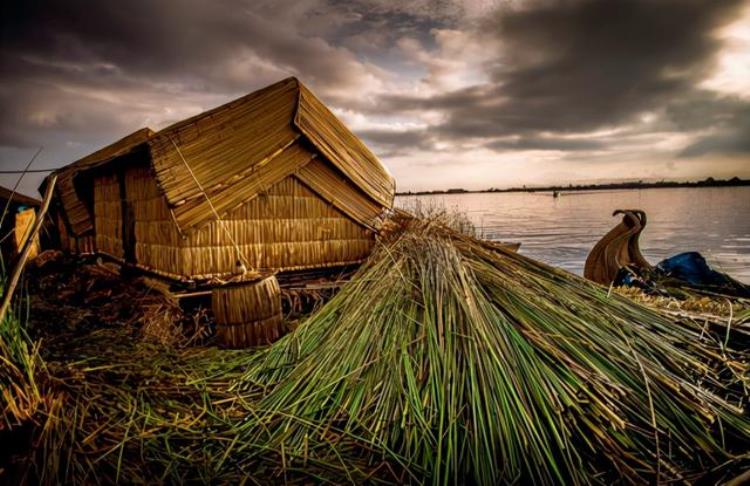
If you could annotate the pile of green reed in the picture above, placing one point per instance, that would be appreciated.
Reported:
(458, 362)
(133, 411)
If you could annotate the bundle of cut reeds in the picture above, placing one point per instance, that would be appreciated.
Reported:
(459, 362)
(248, 315)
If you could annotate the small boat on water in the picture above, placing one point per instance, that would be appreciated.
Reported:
(616, 260)
(618, 249)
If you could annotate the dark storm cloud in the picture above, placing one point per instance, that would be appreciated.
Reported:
(373, 26)
(727, 119)
(160, 39)
(733, 140)
(578, 66)
(391, 143)
(533, 75)
(64, 64)
(570, 66)
(546, 143)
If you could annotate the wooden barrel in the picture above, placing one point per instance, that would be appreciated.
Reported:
(248, 315)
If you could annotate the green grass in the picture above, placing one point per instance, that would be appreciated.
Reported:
(21, 366)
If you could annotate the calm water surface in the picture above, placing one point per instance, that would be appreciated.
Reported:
(561, 231)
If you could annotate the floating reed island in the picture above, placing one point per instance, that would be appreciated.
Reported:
(445, 359)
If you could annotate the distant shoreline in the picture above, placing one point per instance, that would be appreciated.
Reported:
(709, 182)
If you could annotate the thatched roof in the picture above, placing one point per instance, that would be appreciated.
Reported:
(230, 144)
(241, 148)
(17, 198)
(76, 212)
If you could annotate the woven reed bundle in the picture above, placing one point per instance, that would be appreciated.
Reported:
(248, 315)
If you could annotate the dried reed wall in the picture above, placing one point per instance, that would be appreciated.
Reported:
(83, 244)
(288, 227)
(108, 215)
(78, 215)
(157, 240)
(66, 242)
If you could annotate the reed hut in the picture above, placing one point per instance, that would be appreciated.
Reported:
(271, 182)
(16, 220)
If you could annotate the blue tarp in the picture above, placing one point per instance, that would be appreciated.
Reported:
(694, 271)
(688, 269)
(692, 268)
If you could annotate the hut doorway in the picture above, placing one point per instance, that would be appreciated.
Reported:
(128, 232)
(128, 221)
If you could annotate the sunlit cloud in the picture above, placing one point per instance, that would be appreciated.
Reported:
(472, 93)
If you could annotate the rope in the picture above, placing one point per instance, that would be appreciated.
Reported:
(240, 259)
(31, 171)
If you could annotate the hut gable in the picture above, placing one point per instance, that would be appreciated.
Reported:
(289, 227)
(228, 148)
(76, 212)
(343, 148)
(333, 188)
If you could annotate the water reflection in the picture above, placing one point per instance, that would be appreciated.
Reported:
(561, 231)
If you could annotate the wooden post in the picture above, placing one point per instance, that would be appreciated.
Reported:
(24, 255)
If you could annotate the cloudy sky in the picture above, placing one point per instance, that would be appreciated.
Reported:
(473, 93)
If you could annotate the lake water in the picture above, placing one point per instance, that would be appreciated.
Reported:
(561, 231)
